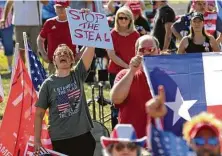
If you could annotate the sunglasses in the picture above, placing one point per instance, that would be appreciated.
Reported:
(123, 18)
(120, 146)
(147, 50)
(213, 141)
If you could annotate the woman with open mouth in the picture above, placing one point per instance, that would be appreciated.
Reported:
(63, 94)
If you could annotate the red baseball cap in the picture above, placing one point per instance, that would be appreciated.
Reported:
(201, 126)
(135, 7)
(63, 3)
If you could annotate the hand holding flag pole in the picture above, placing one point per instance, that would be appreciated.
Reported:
(156, 106)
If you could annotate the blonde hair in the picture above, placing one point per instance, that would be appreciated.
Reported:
(200, 118)
(126, 11)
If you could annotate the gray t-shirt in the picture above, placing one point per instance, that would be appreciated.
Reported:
(65, 97)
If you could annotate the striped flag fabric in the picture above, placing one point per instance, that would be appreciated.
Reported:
(1, 91)
(29, 151)
(63, 102)
(74, 94)
(38, 73)
(167, 144)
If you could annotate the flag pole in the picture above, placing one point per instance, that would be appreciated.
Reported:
(26, 52)
(15, 64)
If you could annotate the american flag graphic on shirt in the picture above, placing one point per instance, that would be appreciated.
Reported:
(74, 94)
(62, 102)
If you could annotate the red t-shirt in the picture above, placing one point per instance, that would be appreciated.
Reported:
(124, 48)
(56, 32)
(132, 110)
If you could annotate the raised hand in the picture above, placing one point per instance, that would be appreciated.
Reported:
(156, 106)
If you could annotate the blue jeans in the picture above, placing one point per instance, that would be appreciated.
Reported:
(7, 41)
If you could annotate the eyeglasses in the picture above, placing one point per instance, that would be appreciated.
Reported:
(147, 49)
(65, 53)
(120, 146)
(123, 18)
(199, 141)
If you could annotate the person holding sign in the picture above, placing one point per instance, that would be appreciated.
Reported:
(56, 31)
(63, 94)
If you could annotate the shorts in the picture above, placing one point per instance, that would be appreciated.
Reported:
(32, 34)
(6, 35)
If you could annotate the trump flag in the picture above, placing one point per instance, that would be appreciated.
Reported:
(192, 84)
(17, 123)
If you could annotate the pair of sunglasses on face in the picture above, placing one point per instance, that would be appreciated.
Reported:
(147, 50)
(123, 18)
(199, 141)
(120, 146)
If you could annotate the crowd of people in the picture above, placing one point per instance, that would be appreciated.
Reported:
(135, 33)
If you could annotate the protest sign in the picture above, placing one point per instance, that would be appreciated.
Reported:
(89, 29)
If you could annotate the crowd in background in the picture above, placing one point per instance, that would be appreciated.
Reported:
(138, 28)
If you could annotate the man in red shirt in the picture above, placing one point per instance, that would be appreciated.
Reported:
(56, 32)
(131, 90)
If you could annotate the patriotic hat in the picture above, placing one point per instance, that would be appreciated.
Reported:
(123, 133)
(63, 3)
(201, 126)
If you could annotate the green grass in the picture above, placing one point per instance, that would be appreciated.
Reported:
(6, 86)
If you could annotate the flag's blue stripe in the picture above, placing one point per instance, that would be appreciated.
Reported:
(184, 72)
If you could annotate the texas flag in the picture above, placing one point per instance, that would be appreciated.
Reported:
(192, 82)
(1, 90)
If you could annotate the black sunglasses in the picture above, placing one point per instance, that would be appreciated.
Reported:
(123, 18)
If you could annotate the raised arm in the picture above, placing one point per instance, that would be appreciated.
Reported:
(121, 89)
(87, 57)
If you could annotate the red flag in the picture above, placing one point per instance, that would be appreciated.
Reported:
(1, 91)
(18, 122)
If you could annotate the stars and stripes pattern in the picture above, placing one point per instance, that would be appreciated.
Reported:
(38, 73)
(74, 94)
(63, 102)
(167, 144)
(43, 151)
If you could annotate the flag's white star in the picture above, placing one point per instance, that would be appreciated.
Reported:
(36, 79)
(180, 107)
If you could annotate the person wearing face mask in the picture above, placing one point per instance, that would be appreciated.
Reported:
(203, 133)
(131, 91)
(63, 94)
(198, 41)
